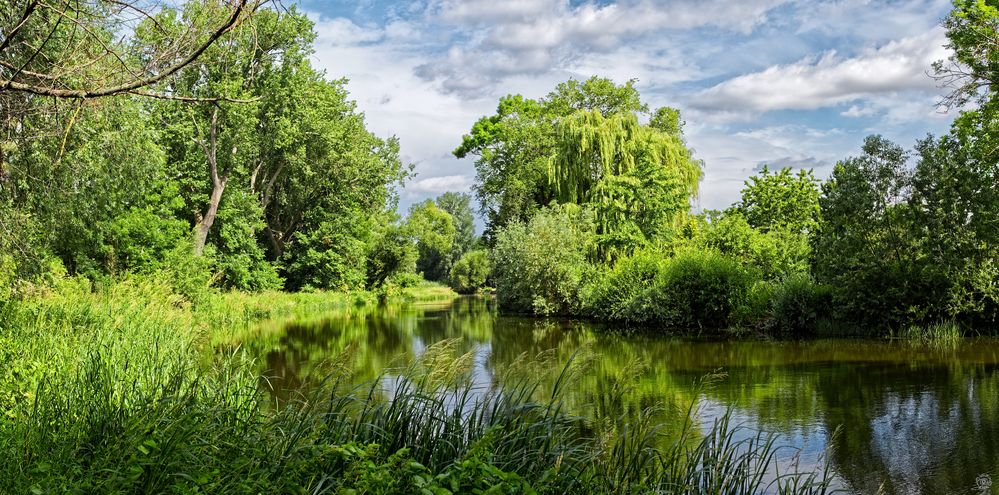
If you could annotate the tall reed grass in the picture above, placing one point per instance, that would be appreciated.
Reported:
(940, 335)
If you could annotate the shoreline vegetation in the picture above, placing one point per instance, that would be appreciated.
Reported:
(121, 389)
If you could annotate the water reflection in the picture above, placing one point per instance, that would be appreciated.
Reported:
(911, 419)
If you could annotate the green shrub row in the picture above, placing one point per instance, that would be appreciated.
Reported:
(543, 267)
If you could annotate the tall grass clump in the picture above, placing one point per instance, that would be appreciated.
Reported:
(943, 334)
(690, 290)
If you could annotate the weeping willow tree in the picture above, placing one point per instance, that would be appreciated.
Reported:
(638, 178)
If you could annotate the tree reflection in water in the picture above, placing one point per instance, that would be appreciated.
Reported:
(911, 419)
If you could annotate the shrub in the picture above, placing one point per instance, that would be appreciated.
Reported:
(756, 310)
(471, 272)
(392, 252)
(798, 305)
(407, 280)
(140, 239)
(693, 289)
(188, 275)
(539, 266)
(627, 292)
(777, 252)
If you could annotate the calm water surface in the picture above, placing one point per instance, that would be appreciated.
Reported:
(905, 418)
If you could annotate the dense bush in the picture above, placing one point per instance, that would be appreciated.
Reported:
(540, 266)
(776, 253)
(391, 253)
(188, 275)
(798, 305)
(691, 290)
(332, 256)
(140, 238)
(471, 272)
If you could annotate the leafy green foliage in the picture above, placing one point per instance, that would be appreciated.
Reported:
(471, 272)
(286, 183)
(780, 200)
(513, 147)
(433, 230)
(638, 179)
(799, 305)
(776, 253)
(73, 182)
(972, 68)
(391, 254)
(866, 250)
(691, 290)
(459, 206)
(955, 214)
(539, 266)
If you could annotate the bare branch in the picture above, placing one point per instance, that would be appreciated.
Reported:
(240, 10)
(191, 99)
(24, 19)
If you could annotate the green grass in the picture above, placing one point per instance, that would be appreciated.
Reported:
(942, 335)
(111, 394)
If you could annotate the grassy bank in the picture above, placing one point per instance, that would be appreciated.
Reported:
(110, 393)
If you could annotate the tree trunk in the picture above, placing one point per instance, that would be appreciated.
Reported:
(205, 221)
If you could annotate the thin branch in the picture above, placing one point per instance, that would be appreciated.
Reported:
(24, 19)
(230, 23)
(191, 99)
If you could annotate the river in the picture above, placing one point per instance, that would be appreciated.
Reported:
(911, 419)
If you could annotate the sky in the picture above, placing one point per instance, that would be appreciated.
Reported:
(796, 83)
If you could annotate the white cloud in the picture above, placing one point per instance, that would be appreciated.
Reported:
(395, 101)
(494, 40)
(859, 111)
(731, 157)
(437, 185)
(869, 20)
(831, 80)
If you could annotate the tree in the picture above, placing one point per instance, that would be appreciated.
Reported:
(459, 206)
(471, 272)
(323, 182)
(777, 253)
(514, 145)
(781, 200)
(221, 138)
(972, 70)
(865, 249)
(955, 208)
(434, 233)
(74, 49)
(392, 253)
(667, 120)
(638, 178)
(77, 188)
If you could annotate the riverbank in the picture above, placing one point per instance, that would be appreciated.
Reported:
(108, 391)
